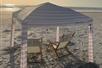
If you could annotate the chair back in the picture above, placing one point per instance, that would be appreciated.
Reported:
(65, 39)
(34, 45)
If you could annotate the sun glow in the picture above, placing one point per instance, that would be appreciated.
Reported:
(10, 7)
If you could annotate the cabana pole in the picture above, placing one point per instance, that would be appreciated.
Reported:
(12, 33)
(12, 43)
(90, 46)
(57, 34)
(23, 58)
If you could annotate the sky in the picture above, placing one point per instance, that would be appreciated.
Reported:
(69, 3)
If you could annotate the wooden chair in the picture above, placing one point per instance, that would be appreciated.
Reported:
(62, 44)
(34, 51)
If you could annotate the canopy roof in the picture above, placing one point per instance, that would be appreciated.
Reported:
(50, 14)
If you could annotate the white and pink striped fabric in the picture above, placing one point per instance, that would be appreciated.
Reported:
(90, 46)
(23, 60)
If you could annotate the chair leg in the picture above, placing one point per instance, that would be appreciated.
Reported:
(56, 53)
(70, 53)
(55, 50)
(68, 50)
(41, 53)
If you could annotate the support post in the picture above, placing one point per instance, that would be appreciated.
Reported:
(12, 32)
(57, 34)
(12, 60)
(23, 60)
(90, 46)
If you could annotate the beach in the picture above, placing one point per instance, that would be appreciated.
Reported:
(80, 39)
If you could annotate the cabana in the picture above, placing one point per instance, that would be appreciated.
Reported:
(48, 14)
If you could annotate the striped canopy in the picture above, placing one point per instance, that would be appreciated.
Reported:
(50, 14)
